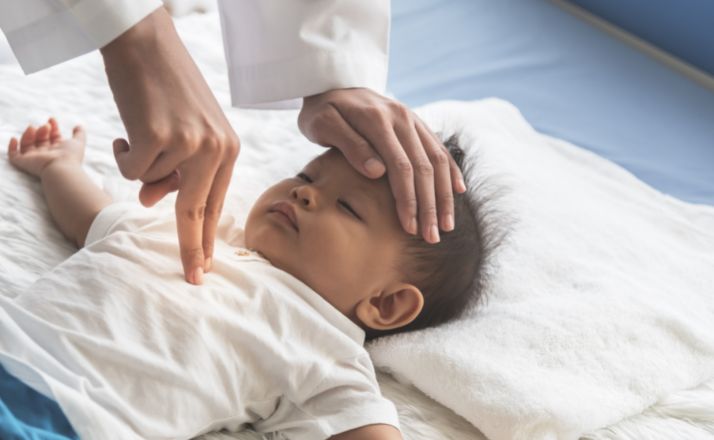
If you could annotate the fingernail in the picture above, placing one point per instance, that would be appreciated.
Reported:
(462, 185)
(374, 167)
(412, 226)
(449, 222)
(209, 262)
(434, 234)
(197, 276)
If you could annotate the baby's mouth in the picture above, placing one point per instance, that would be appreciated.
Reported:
(286, 212)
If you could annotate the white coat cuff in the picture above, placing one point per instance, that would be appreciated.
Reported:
(65, 33)
(281, 84)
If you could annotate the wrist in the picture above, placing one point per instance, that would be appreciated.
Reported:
(60, 165)
(144, 35)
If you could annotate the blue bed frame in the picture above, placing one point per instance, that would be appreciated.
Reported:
(568, 78)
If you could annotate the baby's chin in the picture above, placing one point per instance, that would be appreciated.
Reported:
(251, 242)
(267, 248)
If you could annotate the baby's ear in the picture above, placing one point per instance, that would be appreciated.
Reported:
(392, 308)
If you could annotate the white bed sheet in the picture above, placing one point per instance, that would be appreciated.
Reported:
(76, 92)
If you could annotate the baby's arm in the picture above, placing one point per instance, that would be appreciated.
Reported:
(370, 432)
(74, 200)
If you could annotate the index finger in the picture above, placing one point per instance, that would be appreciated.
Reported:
(214, 206)
(193, 191)
(400, 174)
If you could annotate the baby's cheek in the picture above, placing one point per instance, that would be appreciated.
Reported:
(328, 262)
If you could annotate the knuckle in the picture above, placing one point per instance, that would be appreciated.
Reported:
(409, 204)
(399, 110)
(323, 118)
(361, 145)
(231, 154)
(424, 168)
(403, 167)
(212, 212)
(212, 143)
(377, 113)
(428, 211)
(186, 138)
(302, 120)
(194, 254)
(232, 146)
(211, 146)
(192, 213)
(447, 199)
(319, 121)
(158, 137)
(439, 159)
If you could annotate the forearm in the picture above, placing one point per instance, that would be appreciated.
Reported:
(73, 199)
(154, 32)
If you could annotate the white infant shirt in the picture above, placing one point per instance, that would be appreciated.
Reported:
(130, 350)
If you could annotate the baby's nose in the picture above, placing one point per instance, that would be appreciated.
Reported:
(304, 195)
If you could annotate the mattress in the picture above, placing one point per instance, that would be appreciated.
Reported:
(569, 79)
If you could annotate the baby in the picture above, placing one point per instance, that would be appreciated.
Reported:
(272, 340)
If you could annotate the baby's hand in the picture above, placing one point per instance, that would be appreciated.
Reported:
(40, 147)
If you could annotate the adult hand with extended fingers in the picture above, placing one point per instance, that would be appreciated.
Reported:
(378, 134)
(178, 138)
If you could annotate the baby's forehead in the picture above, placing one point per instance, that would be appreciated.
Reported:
(332, 155)
(333, 161)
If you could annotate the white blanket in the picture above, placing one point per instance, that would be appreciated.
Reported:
(527, 356)
(600, 303)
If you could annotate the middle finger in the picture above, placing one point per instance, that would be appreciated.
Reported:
(441, 161)
(423, 179)
(400, 172)
(214, 207)
(197, 175)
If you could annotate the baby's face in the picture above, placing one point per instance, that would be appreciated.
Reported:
(345, 237)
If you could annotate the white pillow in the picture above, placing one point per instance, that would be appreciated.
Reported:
(600, 302)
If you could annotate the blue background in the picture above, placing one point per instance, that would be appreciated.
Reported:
(568, 78)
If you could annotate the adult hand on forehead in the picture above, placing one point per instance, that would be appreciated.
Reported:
(178, 137)
(373, 131)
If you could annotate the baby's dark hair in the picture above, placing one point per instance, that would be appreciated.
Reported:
(450, 274)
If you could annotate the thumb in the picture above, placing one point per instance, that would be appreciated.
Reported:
(152, 192)
(132, 163)
(121, 152)
(79, 134)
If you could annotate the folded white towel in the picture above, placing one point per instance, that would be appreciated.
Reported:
(600, 303)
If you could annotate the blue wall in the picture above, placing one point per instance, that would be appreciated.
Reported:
(685, 28)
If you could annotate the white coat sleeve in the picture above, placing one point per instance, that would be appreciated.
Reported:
(46, 32)
(279, 51)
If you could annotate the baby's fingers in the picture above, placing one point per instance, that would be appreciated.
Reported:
(28, 139)
(42, 136)
(79, 134)
(12, 148)
(55, 135)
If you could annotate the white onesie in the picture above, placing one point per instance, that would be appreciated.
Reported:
(130, 350)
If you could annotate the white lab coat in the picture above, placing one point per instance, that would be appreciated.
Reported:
(277, 51)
